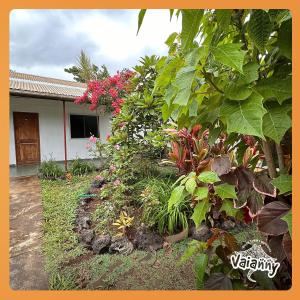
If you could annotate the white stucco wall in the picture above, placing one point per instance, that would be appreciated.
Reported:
(51, 127)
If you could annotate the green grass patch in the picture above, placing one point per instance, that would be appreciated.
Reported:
(60, 242)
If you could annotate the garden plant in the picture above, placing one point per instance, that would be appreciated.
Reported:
(200, 149)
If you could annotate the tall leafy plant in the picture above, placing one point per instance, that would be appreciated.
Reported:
(231, 68)
(231, 71)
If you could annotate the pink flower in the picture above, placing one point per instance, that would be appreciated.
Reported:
(93, 139)
(113, 92)
(99, 177)
(107, 137)
(88, 146)
(117, 147)
(117, 182)
(112, 168)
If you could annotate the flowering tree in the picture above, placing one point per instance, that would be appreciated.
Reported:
(108, 94)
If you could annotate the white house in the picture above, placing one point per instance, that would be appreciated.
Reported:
(45, 123)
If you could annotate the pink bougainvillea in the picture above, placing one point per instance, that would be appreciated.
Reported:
(109, 91)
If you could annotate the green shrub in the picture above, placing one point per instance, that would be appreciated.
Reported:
(80, 167)
(153, 195)
(50, 170)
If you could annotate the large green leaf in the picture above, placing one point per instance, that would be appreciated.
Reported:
(208, 177)
(183, 83)
(170, 94)
(201, 262)
(250, 73)
(226, 190)
(259, 28)
(140, 19)
(234, 91)
(190, 185)
(274, 87)
(201, 192)
(276, 121)
(285, 39)
(170, 40)
(196, 55)
(193, 108)
(228, 207)
(279, 15)
(230, 55)
(223, 18)
(176, 197)
(283, 183)
(200, 211)
(191, 19)
(245, 116)
(167, 72)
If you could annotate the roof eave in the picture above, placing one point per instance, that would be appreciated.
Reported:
(41, 95)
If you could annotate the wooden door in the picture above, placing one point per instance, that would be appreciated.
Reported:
(27, 137)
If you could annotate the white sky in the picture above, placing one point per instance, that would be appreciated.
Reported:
(44, 42)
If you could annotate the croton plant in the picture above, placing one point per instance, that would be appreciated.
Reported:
(220, 186)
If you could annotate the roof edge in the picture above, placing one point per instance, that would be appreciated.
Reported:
(41, 95)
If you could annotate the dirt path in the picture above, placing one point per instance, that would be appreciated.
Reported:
(26, 261)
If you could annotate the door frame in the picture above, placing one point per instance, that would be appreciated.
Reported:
(18, 163)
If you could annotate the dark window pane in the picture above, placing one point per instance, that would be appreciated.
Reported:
(83, 126)
(91, 126)
(77, 126)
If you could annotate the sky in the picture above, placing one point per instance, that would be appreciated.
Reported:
(44, 42)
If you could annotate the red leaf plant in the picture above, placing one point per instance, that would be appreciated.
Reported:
(189, 150)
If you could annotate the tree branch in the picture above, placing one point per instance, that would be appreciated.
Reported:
(207, 77)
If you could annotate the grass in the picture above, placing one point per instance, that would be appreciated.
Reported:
(71, 266)
(138, 271)
(60, 199)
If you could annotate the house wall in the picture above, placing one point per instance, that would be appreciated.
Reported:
(51, 127)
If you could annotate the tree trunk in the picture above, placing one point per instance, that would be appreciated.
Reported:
(280, 158)
(269, 158)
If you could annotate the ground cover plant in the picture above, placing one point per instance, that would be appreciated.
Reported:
(198, 162)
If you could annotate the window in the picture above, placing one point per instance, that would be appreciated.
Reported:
(83, 126)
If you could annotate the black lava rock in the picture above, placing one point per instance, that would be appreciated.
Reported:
(202, 233)
(101, 244)
(86, 236)
(147, 240)
(121, 245)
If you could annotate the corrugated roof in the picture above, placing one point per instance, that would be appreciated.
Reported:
(28, 84)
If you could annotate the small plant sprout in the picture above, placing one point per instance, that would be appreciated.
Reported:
(123, 222)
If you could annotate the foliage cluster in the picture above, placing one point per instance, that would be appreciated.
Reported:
(230, 71)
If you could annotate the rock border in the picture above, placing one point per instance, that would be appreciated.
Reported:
(143, 239)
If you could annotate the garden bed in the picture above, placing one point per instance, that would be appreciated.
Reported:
(72, 266)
